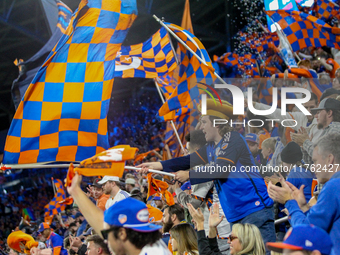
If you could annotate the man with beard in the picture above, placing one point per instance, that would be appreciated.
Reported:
(328, 120)
(111, 187)
(96, 191)
(172, 216)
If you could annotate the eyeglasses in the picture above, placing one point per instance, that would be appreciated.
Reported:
(106, 232)
(231, 238)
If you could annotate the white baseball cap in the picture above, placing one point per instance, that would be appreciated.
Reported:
(130, 181)
(109, 178)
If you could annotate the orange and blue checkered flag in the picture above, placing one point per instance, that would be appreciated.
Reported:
(191, 72)
(304, 30)
(171, 140)
(150, 59)
(326, 10)
(188, 114)
(54, 207)
(229, 59)
(64, 16)
(63, 115)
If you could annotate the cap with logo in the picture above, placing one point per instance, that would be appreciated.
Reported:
(96, 183)
(327, 103)
(304, 237)
(43, 226)
(130, 213)
(186, 186)
(251, 137)
(108, 178)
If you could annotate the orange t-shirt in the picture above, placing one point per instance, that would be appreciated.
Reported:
(101, 201)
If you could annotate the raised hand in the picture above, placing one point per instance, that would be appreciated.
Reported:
(197, 216)
(299, 196)
(214, 217)
(76, 181)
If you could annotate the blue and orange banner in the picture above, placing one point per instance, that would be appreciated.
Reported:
(63, 115)
(54, 207)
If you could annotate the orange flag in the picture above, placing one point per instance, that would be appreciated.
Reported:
(186, 19)
(21, 242)
(109, 162)
(67, 201)
(144, 155)
(159, 187)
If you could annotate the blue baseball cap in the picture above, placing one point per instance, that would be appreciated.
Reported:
(251, 137)
(155, 198)
(43, 226)
(130, 213)
(186, 186)
(304, 237)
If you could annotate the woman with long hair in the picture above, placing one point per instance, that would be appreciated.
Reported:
(246, 239)
(184, 239)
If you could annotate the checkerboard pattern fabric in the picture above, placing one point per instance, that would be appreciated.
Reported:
(191, 72)
(304, 30)
(62, 116)
(64, 16)
(171, 140)
(150, 59)
(188, 114)
(245, 63)
(53, 207)
(326, 10)
(259, 41)
(228, 59)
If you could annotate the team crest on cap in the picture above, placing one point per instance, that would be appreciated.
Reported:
(224, 146)
(308, 243)
(122, 218)
(143, 215)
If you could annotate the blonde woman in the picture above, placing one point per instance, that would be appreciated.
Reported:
(246, 239)
(184, 239)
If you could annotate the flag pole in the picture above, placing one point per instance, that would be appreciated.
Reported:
(278, 31)
(186, 46)
(30, 166)
(54, 188)
(35, 166)
(172, 123)
(150, 170)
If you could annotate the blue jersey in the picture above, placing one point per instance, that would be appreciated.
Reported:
(56, 243)
(300, 176)
(241, 189)
(324, 214)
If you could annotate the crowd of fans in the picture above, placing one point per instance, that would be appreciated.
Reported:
(294, 172)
